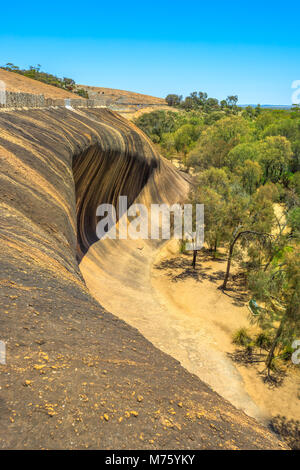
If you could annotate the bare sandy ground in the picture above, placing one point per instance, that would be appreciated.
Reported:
(209, 319)
(115, 94)
(132, 115)
(19, 84)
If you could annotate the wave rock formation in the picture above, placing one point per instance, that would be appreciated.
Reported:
(76, 376)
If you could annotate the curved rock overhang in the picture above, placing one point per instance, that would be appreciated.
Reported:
(101, 176)
(69, 362)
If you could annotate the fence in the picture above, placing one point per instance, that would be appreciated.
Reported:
(9, 99)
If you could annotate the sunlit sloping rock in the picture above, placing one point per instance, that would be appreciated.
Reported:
(76, 376)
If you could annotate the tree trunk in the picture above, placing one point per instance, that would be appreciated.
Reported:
(273, 347)
(268, 263)
(281, 228)
(215, 247)
(194, 258)
(223, 287)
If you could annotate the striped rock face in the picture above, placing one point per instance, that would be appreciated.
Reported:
(76, 376)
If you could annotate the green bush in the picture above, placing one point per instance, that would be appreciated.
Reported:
(242, 338)
(263, 341)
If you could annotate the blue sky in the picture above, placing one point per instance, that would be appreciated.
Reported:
(251, 49)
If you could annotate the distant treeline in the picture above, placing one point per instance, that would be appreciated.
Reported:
(201, 101)
(35, 73)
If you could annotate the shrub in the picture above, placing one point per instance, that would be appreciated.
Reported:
(242, 338)
(263, 341)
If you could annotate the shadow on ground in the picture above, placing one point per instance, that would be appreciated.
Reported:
(179, 268)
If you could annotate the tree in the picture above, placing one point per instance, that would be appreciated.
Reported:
(295, 164)
(249, 112)
(238, 234)
(167, 144)
(11, 67)
(251, 175)
(188, 104)
(293, 219)
(217, 140)
(213, 116)
(68, 83)
(157, 123)
(255, 225)
(34, 72)
(216, 179)
(264, 118)
(211, 104)
(232, 100)
(279, 289)
(242, 152)
(289, 128)
(82, 92)
(258, 110)
(223, 204)
(200, 101)
(274, 154)
(174, 100)
(185, 136)
(295, 183)
(275, 157)
(216, 216)
(202, 97)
